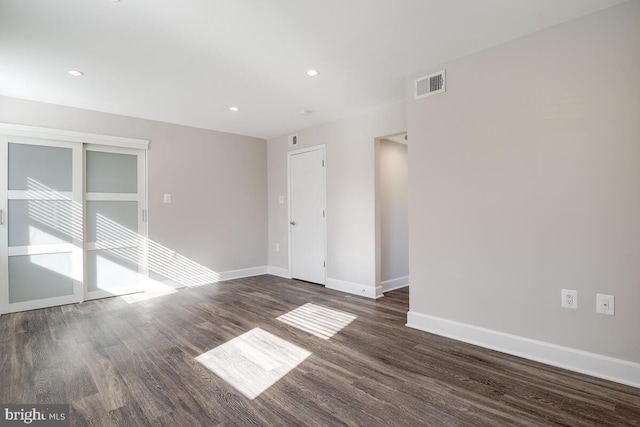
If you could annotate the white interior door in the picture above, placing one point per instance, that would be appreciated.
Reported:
(41, 235)
(307, 215)
(115, 212)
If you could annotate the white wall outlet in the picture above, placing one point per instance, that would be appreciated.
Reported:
(569, 298)
(167, 198)
(605, 304)
(277, 247)
(281, 200)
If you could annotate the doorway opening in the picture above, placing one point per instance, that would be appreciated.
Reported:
(392, 212)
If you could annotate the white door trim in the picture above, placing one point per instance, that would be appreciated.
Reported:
(321, 147)
(4, 230)
(72, 136)
(78, 141)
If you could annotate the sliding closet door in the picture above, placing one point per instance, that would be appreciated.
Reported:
(41, 235)
(115, 215)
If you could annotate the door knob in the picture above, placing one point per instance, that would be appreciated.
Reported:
(292, 222)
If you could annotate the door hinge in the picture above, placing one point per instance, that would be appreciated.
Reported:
(324, 263)
(323, 214)
(323, 163)
(1, 217)
(144, 215)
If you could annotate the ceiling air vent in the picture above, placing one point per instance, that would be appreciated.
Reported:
(429, 85)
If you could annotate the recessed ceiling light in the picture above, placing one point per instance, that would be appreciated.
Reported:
(233, 108)
(312, 73)
(76, 73)
(305, 112)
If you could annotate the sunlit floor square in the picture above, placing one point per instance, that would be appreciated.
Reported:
(253, 361)
(317, 320)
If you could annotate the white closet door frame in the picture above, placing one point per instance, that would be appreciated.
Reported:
(75, 248)
(53, 138)
(4, 230)
(142, 235)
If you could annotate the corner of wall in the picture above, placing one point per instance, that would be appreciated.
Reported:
(278, 271)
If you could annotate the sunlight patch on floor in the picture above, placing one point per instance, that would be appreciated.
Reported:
(253, 361)
(153, 289)
(317, 320)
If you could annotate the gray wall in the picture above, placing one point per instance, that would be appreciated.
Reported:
(350, 171)
(524, 178)
(218, 215)
(393, 187)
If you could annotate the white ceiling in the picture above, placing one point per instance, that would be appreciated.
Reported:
(188, 61)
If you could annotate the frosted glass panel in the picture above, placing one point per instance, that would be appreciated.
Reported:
(33, 277)
(111, 173)
(112, 269)
(41, 222)
(36, 167)
(108, 221)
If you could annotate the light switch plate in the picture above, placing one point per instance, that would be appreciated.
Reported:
(167, 198)
(281, 200)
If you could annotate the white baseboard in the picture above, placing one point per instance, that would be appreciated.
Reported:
(354, 288)
(278, 271)
(393, 284)
(597, 365)
(245, 272)
(200, 280)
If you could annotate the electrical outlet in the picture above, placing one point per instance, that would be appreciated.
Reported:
(569, 298)
(277, 247)
(605, 304)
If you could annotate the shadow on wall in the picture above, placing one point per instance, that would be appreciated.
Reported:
(116, 253)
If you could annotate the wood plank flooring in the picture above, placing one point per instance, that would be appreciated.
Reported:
(135, 365)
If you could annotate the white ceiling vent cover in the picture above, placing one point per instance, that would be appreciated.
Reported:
(429, 85)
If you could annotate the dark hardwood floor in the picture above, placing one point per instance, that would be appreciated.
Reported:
(135, 364)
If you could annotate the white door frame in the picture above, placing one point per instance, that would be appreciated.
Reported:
(378, 214)
(321, 147)
(65, 137)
